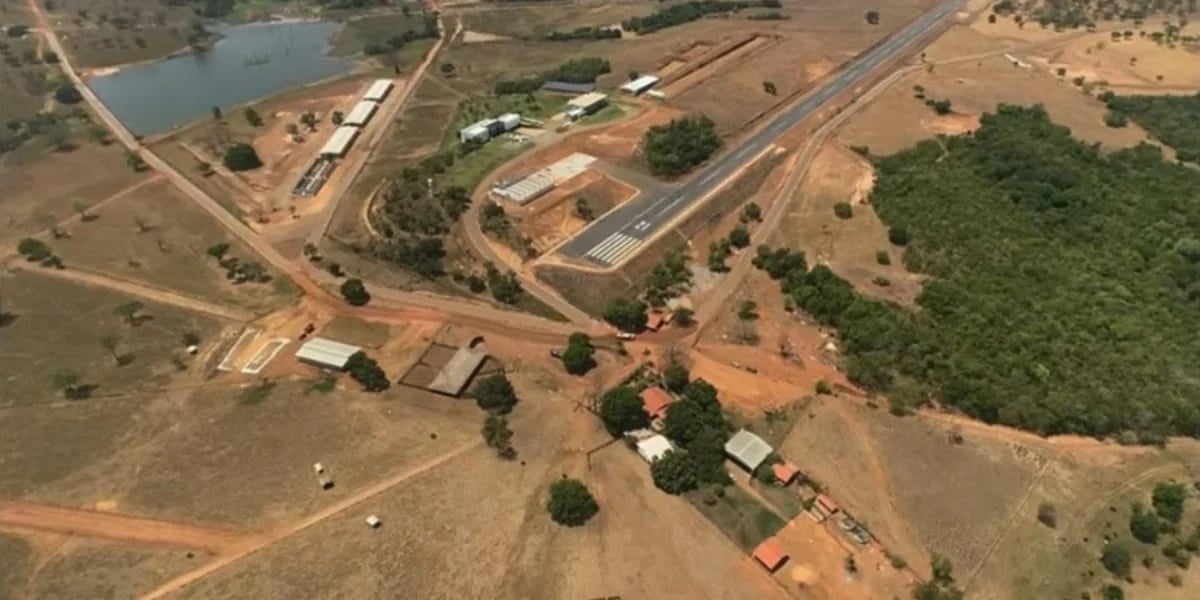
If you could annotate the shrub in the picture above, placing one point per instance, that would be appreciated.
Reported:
(355, 292)
(1116, 119)
(679, 146)
(674, 473)
(578, 357)
(882, 257)
(241, 157)
(1145, 526)
(627, 315)
(621, 410)
(495, 393)
(823, 387)
(1116, 559)
(571, 503)
(367, 373)
(1047, 515)
(898, 236)
(67, 94)
(843, 210)
(33, 249)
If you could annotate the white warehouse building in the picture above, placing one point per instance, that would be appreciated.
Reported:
(339, 142)
(326, 353)
(640, 84)
(378, 90)
(360, 114)
(487, 129)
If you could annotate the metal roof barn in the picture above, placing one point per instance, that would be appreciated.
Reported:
(747, 449)
(640, 84)
(459, 370)
(588, 102)
(326, 353)
(378, 90)
(340, 141)
(564, 87)
(360, 114)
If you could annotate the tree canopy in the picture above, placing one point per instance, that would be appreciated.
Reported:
(571, 503)
(367, 372)
(621, 410)
(679, 146)
(626, 315)
(495, 393)
(674, 472)
(355, 292)
(1065, 290)
(241, 157)
(1173, 119)
(579, 357)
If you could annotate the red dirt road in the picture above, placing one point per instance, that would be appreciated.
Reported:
(20, 516)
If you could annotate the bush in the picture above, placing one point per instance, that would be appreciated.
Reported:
(843, 210)
(674, 149)
(739, 237)
(627, 315)
(1168, 501)
(823, 387)
(498, 436)
(1112, 592)
(579, 355)
(674, 473)
(1047, 515)
(898, 236)
(676, 376)
(882, 257)
(241, 157)
(571, 503)
(367, 373)
(33, 249)
(355, 292)
(67, 94)
(1116, 119)
(495, 393)
(1116, 558)
(1145, 526)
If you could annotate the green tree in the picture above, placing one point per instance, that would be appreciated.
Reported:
(769, 87)
(579, 357)
(843, 210)
(1116, 119)
(253, 118)
(748, 310)
(1168, 501)
(355, 292)
(495, 394)
(1145, 526)
(571, 503)
(873, 17)
(216, 113)
(676, 376)
(1047, 515)
(679, 146)
(33, 249)
(110, 342)
(447, 69)
(898, 236)
(309, 120)
(367, 372)
(674, 473)
(241, 157)
(130, 312)
(1112, 592)
(498, 436)
(621, 410)
(687, 419)
(135, 161)
(1116, 558)
(739, 237)
(751, 212)
(67, 94)
(684, 317)
(627, 315)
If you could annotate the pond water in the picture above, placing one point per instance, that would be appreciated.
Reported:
(250, 62)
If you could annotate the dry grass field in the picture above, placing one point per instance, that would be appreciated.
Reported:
(531, 22)
(171, 250)
(977, 502)
(59, 325)
(102, 33)
(75, 568)
(42, 191)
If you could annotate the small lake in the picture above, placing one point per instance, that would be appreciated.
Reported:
(250, 62)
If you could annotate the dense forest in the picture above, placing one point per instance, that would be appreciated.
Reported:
(1173, 119)
(677, 147)
(1065, 295)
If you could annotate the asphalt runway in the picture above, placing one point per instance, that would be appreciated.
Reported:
(620, 233)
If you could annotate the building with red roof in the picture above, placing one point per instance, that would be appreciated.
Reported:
(655, 400)
(785, 472)
(770, 553)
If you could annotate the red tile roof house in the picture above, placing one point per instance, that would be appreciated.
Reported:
(785, 472)
(655, 400)
(770, 553)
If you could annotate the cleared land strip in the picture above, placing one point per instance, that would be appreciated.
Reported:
(117, 527)
(317, 517)
(152, 294)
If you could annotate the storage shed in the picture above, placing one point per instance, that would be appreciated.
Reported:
(453, 378)
(360, 114)
(510, 121)
(326, 353)
(654, 448)
(747, 449)
(340, 141)
(770, 554)
(640, 84)
(565, 87)
(476, 132)
(586, 104)
(378, 90)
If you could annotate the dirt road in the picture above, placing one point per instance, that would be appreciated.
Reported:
(19, 516)
(318, 517)
(139, 290)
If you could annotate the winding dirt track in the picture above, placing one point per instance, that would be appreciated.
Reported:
(23, 516)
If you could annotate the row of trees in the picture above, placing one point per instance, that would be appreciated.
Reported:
(1062, 300)
(585, 33)
(1173, 119)
(678, 14)
(429, 30)
(580, 70)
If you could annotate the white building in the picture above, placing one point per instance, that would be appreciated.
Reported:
(654, 448)
(360, 114)
(584, 105)
(378, 90)
(326, 353)
(747, 449)
(640, 84)
(339, 142)
(475, 132)
(510, 121)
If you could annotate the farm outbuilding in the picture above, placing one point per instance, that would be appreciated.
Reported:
(341, 140)
(379, 90)
(655, 401)
(747, 449)
(360, 114)
(475, 132)
(539, 182)
(770, 554)
(640, 84)
(585, 105)
(453, 378)
(565, 87)
(653, 448)
(784, 472)
(326, 353)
